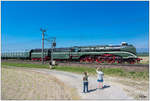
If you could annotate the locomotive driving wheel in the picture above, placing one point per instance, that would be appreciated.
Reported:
(87, 59)
(108, 58)
(99, 59)
(138, 60)
(119, 60)
(131, 61)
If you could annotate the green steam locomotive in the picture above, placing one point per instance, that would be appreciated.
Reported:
(100, 54)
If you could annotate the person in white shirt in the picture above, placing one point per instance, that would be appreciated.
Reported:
(100, 75)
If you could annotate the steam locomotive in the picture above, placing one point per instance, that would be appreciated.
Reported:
(100, 54)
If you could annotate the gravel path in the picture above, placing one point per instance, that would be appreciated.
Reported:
(111, 91)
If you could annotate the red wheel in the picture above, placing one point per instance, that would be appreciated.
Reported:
(118, 59)
(100, 59)
(87, 59)
(138, 60)
(82, 59)
(108, 58)
(131, 61)
(111, 59)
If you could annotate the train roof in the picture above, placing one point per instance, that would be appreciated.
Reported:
(68, 48)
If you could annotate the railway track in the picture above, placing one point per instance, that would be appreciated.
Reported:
(131, 65)
(75, 62)
(136, 67)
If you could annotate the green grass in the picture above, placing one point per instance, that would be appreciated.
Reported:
(122, 73)
(113, 71)
(25, 65)
(107, 71)
(75, 69)
(141, 75)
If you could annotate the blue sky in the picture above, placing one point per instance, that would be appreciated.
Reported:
(74, 23)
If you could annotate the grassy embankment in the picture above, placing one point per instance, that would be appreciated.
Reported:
(107, 71)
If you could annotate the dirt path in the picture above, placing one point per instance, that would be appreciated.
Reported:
(111, 91)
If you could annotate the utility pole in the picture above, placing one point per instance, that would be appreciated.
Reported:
(43, 30)
(52, 47)
(52, 41)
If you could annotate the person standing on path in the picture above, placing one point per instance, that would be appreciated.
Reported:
(100, 75)
(85, 82)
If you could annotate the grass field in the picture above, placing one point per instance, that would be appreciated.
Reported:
(20, 84)
(107, 71)
(25, 65)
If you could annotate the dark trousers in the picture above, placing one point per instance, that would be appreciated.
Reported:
(85, 87)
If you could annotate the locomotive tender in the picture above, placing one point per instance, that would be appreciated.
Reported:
(100, 54)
